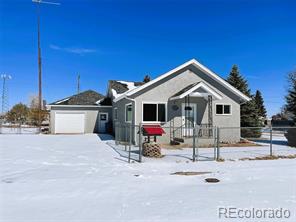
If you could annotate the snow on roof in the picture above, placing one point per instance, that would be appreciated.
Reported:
(130, 85)
(98, 102)
(63, 100)
(118, 88)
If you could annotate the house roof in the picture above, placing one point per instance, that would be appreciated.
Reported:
(185, 89)
(105, 102)
(191, 90)
(88, 97)
(120, 87)
(195, 64)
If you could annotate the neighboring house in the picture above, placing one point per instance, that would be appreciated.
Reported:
(86, 112)
(186, 96)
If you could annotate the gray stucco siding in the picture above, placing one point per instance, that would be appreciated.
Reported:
(167, 87)
(161, 91)
(91, 116)
(124, 131)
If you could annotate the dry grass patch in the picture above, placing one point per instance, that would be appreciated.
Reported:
(190, 173)
(235, 145)
(244, 143)
(273, 157)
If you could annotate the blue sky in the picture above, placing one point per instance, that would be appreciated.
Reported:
(125, 40)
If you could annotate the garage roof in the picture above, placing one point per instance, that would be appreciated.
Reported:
(88, 97)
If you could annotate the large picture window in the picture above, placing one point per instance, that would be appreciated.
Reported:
(128, 113)
(223, 109)
(154, 112)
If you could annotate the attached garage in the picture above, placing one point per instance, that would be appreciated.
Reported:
(69, 122)
(86, 112)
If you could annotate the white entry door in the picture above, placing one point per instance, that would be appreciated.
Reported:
(189, 113)
(103, 119)
(69, 122)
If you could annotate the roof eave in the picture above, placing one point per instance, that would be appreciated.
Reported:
(197, 65)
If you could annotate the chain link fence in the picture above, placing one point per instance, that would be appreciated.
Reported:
(18, 129)
(126, 142)
(256, 143)
(204, 143)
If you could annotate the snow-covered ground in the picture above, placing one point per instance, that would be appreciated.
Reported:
(81, 178)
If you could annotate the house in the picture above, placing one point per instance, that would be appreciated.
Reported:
(85, 112)
(186, 96)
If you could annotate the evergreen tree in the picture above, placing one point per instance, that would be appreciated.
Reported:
(260, 104)
(291, 97)
(146, 79)
(238, 81)
(249, 111)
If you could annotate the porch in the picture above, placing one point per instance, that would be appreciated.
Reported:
(192, 109)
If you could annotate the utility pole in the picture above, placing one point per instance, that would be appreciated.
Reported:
(78, 83)
(4, 96)
(40, 102)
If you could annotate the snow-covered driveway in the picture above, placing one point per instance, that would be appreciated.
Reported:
(80, 178)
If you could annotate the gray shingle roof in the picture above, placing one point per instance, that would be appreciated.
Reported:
(120, 87)
(88, 97)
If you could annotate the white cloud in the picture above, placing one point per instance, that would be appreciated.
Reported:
(74, 50)
(55, 47)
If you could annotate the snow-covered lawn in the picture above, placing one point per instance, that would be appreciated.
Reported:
(81, 178)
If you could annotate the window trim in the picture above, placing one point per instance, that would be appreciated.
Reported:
(115, 111)
(223, 114)
(156, 102)
(126, 105)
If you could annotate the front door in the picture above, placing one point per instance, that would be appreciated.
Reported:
(103, 119)
(188, 118)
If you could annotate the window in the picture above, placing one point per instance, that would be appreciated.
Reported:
(149, 112)
(128, 113)
(103, 117)
(161, 112)
(115, 114)
(154, 112)
(222, 109)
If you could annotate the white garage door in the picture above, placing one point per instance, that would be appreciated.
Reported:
(69, 122)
